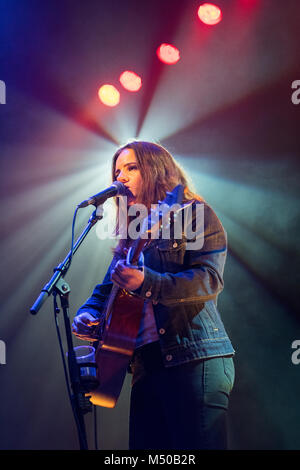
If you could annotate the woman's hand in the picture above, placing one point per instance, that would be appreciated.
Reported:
(83, 326)
(127, 277)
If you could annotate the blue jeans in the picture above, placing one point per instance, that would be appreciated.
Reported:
(180, 407)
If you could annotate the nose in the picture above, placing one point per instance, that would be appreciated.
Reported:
(122, 177)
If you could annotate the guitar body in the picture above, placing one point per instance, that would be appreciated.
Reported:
(116, 348)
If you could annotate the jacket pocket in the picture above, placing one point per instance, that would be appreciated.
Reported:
(171, 245)
(171, 254)
(229, 370)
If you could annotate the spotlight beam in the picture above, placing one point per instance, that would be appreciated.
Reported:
(156, 68)
(48, 91)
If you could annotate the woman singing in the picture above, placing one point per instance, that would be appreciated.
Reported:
(182, 365)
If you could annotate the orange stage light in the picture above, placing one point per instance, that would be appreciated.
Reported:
(109, 95)
(130, 81)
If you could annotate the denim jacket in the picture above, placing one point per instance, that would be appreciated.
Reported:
(183, 285)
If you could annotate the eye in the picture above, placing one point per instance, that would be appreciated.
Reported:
(132, 167)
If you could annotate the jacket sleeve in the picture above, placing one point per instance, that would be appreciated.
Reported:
(201, 278)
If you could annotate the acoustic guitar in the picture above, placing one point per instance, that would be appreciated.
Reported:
(123, 311)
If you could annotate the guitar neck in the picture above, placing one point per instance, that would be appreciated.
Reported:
(136, 249)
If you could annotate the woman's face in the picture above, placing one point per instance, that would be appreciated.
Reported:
(128, 173)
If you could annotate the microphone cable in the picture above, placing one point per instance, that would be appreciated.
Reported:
(73, 236)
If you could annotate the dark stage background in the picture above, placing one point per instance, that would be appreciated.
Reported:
(225, 111)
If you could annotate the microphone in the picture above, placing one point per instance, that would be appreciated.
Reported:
(117, 188)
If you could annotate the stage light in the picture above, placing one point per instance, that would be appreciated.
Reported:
(109, 95)
(130, 81)
(209, 14)
(168, 54)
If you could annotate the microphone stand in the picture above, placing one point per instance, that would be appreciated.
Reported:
(58, 286)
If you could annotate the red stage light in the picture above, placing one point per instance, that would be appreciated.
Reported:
(168, 54)
(130, 81)
(209, 14)
(109, 95)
